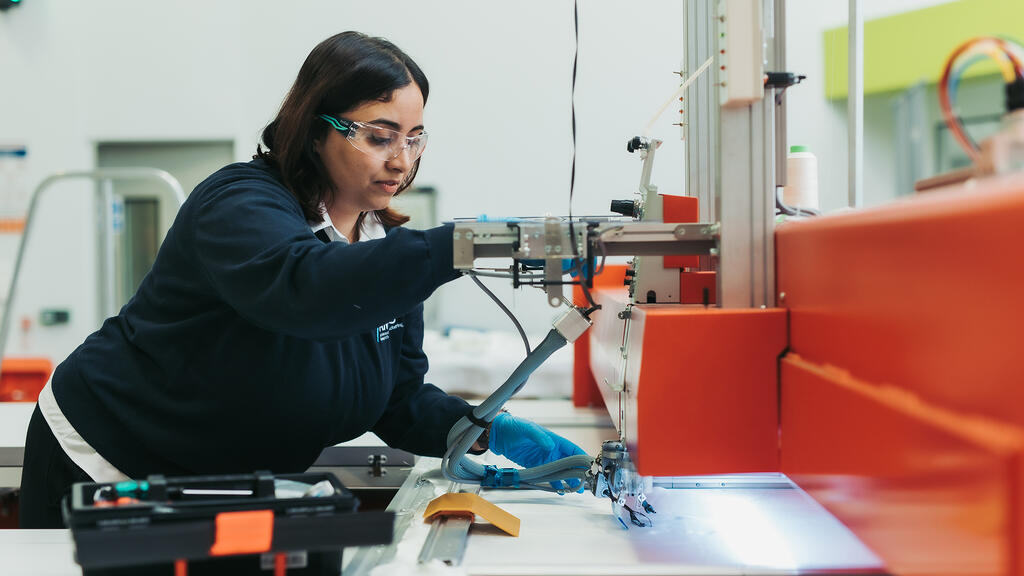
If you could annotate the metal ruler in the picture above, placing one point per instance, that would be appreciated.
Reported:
(447, 538)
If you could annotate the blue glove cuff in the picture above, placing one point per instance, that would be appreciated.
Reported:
(495, 477)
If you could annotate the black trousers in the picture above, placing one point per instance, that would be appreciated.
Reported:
(47, 474)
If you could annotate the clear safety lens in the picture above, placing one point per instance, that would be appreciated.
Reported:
(384, 143)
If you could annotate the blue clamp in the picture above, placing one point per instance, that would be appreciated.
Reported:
(495, 477)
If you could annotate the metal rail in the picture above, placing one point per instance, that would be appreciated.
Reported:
(446, 541)
(105, 177)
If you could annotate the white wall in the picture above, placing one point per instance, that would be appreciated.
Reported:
(40, 78)
(821, 124)
(77, 73)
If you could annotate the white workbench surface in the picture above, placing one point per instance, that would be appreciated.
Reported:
(708, 531)
(37, 553)
(773, 528)
(50, 552)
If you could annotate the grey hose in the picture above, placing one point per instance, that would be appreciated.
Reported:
(458, 468)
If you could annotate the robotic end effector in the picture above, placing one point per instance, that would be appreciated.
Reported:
(614, 476)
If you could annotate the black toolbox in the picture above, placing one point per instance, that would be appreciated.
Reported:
(232, 524)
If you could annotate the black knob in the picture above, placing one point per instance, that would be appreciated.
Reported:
(1015, 95)
(624, 207)
(635, 143)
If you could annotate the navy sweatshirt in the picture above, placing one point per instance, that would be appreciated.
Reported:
(253, 345)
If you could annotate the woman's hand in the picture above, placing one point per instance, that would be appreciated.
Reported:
(529, 444)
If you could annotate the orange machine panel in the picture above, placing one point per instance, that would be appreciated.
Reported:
(698, 287)
(701, 392)
(680, 209)
(928, 490)
(924, 294)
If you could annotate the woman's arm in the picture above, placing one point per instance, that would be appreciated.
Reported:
(419, 415)
(258, 254)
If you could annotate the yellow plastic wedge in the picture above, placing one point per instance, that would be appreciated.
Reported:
(471, 506)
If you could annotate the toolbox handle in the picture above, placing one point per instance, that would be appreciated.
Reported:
(261, 484)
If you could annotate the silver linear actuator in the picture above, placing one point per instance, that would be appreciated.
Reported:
(547, 244)
(553, 239)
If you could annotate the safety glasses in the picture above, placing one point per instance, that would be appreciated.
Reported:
(378, 142)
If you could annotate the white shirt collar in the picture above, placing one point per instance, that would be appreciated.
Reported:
(370, 229)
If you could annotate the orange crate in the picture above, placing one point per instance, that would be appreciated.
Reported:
(21, 379)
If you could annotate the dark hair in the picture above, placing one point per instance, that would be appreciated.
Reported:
(340, 73)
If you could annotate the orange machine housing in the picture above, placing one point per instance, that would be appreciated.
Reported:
(696, 381)
(902, 398)
(888, 384)
(695, 287)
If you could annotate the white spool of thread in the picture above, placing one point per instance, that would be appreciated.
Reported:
(801, 190)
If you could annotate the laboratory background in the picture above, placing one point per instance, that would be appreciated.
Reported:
(773, 238)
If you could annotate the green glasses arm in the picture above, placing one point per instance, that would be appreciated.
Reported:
(334, 122)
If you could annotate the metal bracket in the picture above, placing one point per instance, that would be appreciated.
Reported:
(620, 383)
(462, 242)
(376, 463)
(553, 261)
(653, 282)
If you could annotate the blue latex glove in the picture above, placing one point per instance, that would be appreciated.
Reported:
(529, 444)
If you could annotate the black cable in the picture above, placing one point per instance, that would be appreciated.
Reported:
(519, 327)
(579, 268)
(590, 299)
(783, 208)
(604, 256)
(572, 98)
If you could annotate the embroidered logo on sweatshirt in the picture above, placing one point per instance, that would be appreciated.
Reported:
(384, 330)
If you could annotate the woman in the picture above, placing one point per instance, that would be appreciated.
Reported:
(283, 313)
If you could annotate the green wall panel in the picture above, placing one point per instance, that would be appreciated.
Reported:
(902, 50)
